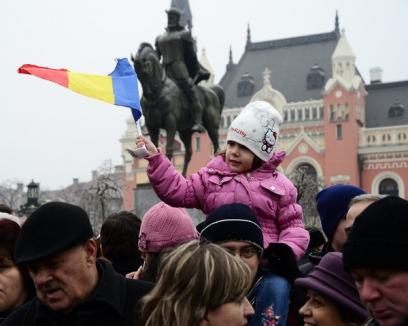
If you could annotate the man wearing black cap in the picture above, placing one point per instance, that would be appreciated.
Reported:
(73, 287)
(376, 254)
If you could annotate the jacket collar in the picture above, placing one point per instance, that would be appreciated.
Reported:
(219, 166)
(108, 292)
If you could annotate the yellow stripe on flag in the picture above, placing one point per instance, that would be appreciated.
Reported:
(99, 87)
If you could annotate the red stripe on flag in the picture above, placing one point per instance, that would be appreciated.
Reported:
(59, 76)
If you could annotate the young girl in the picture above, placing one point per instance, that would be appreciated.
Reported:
(246, 173)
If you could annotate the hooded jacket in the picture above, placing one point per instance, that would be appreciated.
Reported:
(265, 190)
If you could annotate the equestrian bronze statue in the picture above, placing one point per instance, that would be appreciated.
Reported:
(166, 106)
(172, 99)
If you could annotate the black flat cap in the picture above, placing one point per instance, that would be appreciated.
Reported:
(52, 228)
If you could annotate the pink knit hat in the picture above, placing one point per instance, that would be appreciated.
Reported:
(164, 226)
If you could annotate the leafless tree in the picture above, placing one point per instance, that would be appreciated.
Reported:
(104, 195)
(12, 193)
(308, 185)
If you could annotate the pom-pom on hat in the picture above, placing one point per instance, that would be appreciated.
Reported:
(256, 128)
(331, 280)
(52, 228)
(378, 238)
(232, 222)
(163, 227)
(332, 205)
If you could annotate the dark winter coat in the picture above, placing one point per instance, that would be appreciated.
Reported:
(112, 303)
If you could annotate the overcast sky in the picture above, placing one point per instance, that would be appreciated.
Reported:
(53, 135)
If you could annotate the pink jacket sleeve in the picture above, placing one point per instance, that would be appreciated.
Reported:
(171, 187)
(290, 223)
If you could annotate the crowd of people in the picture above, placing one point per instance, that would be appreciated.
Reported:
(250, 262)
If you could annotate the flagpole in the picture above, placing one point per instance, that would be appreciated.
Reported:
(140, 152)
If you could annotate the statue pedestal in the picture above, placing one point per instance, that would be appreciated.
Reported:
(145, 197)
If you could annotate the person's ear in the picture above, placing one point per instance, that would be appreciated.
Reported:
(91, 248)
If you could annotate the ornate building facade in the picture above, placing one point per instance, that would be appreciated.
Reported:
(337, 126)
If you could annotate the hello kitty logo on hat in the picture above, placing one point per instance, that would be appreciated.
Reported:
(257, 128)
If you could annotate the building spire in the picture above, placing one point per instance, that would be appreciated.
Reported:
(230, 61)
(336, 23)
(230, 64)
(248, 42)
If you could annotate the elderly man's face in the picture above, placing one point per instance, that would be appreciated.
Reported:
(355, 210)
(67, 278)
(384, 292)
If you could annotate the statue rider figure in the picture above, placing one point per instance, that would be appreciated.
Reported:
(177, 48)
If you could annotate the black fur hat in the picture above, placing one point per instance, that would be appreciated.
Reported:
(50, 229)
(378, 238)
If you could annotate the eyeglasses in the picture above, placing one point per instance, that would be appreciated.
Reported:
(244, 252)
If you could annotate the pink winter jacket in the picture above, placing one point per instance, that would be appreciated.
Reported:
(269, 193)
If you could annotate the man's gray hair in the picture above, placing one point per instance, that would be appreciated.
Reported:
(365, 198)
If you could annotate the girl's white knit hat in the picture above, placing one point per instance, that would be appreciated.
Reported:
(257, 128)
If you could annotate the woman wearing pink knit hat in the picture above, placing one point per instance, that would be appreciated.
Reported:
(163, 228)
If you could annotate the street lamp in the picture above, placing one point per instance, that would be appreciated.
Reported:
(32, 194)
(32, 199)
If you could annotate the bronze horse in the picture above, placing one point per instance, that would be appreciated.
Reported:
(165, 106)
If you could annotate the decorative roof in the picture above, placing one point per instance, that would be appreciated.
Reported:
(343, 48)
(381, 98)
(269, 94)
(288, 59)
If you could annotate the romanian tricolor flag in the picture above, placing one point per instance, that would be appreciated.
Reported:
(118, 88)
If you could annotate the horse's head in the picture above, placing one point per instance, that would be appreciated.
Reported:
(147, 64)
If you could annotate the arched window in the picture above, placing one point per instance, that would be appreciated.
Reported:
(388, 186)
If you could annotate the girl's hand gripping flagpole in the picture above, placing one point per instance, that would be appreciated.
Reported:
(139, 152)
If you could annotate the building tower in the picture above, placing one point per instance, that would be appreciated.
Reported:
(344, 105)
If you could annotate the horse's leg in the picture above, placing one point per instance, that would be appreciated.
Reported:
(154, 136)
(170, 126)
(213, 134)
(185, 136)
(210, 122)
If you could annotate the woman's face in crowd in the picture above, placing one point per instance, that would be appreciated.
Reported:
(12, 292)
(230, 314)
(239, 158)
(320, 311)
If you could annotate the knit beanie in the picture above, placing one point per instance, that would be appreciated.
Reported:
(331, 280)
(333, 204)
(256, 128)
(164, 226)
(232, 222)
(378, 238)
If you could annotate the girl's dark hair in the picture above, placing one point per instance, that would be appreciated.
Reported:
(119, 235)
(9, 231)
